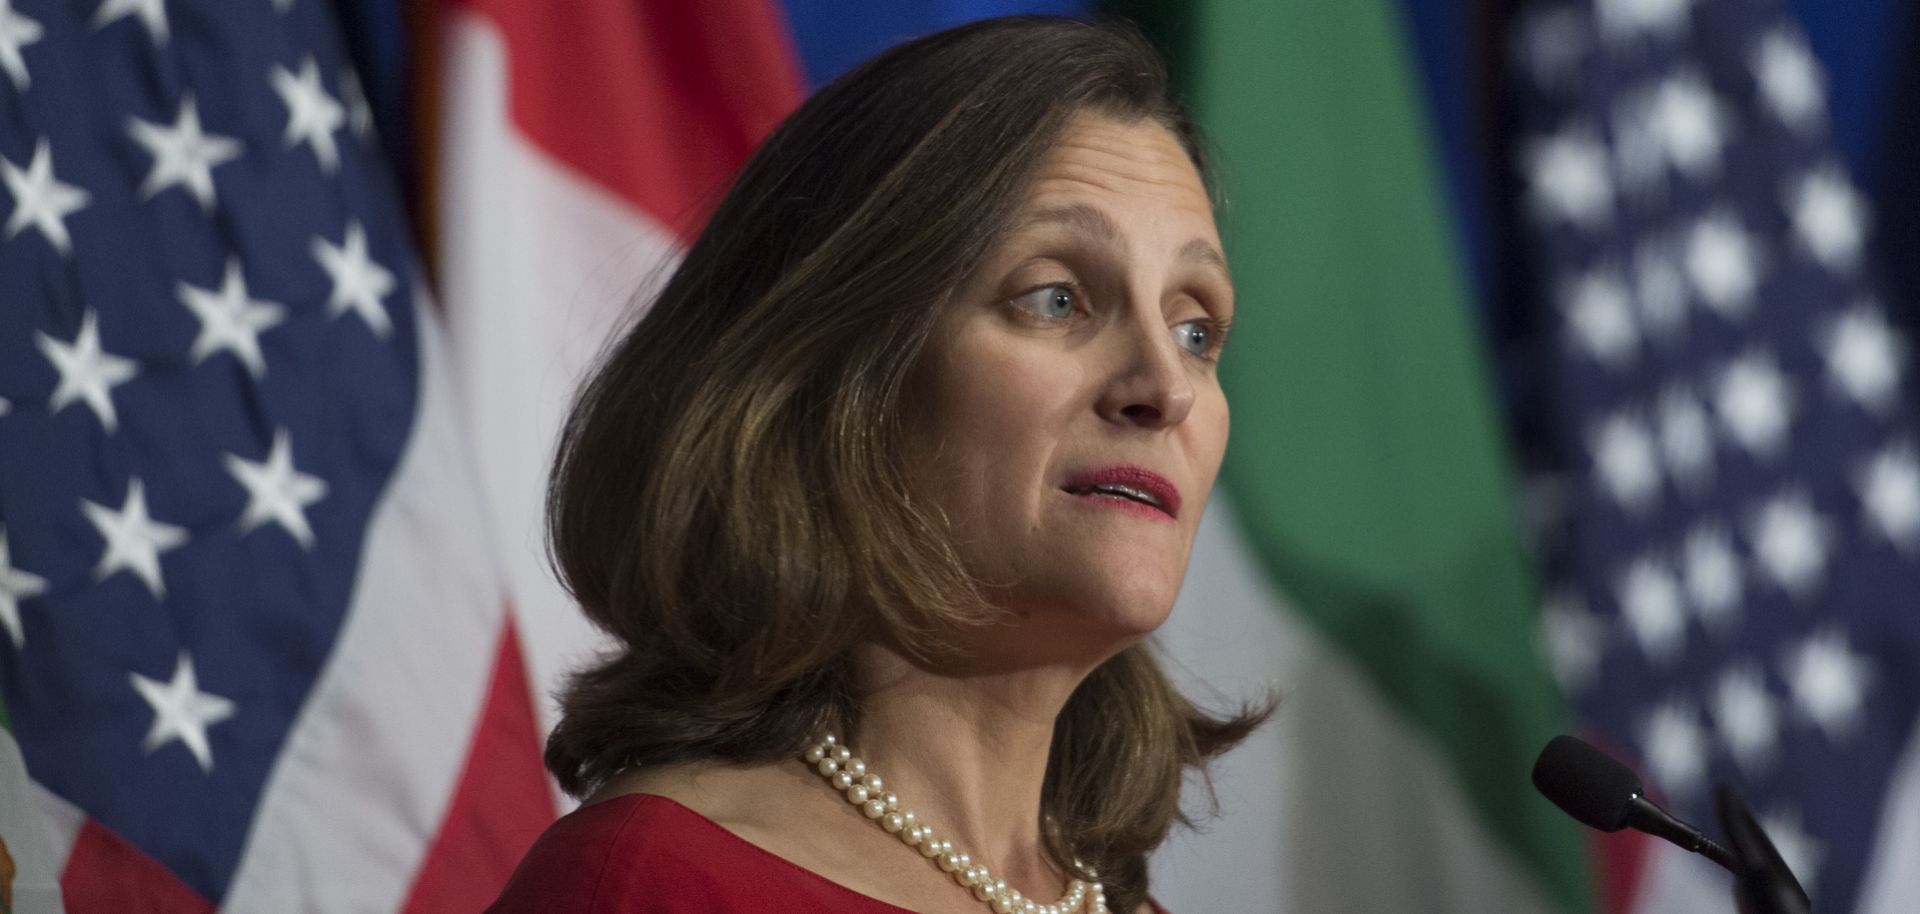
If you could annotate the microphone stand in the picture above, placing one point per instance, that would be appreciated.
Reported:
(1762, 882)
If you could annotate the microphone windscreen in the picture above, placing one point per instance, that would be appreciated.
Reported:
(1586, 783)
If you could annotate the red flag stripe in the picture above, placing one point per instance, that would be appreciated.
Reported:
(658, 101)
(502, 801)
(106, 874)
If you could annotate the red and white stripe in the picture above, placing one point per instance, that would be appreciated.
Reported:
(581, 150)
(416, 752)
(581, 147)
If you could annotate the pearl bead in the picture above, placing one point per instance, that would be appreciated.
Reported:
(865, 790)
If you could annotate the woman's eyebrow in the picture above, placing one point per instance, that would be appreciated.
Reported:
(1089, 220)
(1080, 217)
(1202, 251)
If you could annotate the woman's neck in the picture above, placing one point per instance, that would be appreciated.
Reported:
(968, 754)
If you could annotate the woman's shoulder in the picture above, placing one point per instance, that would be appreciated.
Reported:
(596, 858)
(648, 854)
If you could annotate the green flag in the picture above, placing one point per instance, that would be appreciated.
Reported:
(1366, 469)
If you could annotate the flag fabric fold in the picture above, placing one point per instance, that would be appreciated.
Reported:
(251, 608)
(1729, 490)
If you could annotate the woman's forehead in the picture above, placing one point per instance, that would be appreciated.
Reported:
(1101, 154)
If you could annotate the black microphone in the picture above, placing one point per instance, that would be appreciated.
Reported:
(1602, 793)
(1766, 885)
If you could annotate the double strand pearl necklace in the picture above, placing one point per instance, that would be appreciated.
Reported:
(849, 775)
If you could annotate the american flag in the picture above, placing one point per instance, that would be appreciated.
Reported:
(249, 620)
(1733, 541)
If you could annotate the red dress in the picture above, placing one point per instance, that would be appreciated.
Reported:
(644, 854)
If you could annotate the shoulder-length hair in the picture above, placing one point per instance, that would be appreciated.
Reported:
(730, 500)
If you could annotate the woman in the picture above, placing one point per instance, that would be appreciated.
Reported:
(893, 478)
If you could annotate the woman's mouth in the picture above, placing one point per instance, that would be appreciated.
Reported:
(1128, 486)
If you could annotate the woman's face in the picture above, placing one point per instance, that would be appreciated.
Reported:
(1068, 418)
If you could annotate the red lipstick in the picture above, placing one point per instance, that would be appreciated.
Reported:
(1128, 486)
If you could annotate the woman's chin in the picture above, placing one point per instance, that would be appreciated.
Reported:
(1097, 620)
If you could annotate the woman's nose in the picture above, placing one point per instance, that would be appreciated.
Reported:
(1151, 385)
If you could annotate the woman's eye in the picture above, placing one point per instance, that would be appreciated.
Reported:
(1056, 301)
(1194, 336)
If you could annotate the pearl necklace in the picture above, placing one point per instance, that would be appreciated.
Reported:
(865, 789)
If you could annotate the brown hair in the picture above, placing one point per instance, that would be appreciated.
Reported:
(730, 500)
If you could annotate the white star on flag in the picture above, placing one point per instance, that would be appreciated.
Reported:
(1661, 290)
(1829, 682)
(1791, 541)
(1650, 601)
(1600, 317)
(181, 711)
(1570, 637)
(87, 372)
(1864, 356)
(1713, 575)
(1755, 403)
(183, 155)
(1724, 264)
(1551, 42)
(1686, 438)
(152, 13)
(1690, 123)
(40, 199)
(359, 282)
(1788, 79)
(229, 320)
(1746, 717)
(15, 585)
(359, 112)
(16, 32)
(134, 540)
(1623, 452)
(1828, 218)
(1639, 156)
(1622, 19)
(1675, 748)
(1889, 487)
(312, 114)
(276, 491)
(1569, 176)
